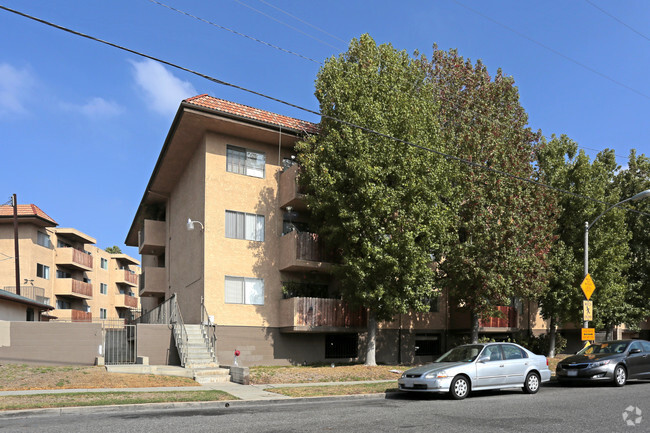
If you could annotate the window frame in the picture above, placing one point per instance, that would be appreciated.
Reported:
(103, 288)
(242, 229)
(44, 271)
(103, 263)
(243, 164)
(244, 297)
(40, 236)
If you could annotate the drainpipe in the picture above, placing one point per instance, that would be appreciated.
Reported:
(16, 252)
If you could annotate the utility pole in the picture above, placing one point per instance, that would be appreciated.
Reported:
(16, 252)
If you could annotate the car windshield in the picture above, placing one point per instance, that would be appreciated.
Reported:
(461, 354)
(607, 347)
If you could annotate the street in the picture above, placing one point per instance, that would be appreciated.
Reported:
(554, 409)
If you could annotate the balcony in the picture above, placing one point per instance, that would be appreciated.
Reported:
(73, 288)
(153, 281)
(126, 301)
(72, 315)
(30, 292)
(127, 277)
(320, 315)
(303, 252)
(289, 193)
(509, 319)
(152, 237)
(74, 258)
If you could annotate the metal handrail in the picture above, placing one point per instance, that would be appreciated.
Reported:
(208, 330)
(180, 333)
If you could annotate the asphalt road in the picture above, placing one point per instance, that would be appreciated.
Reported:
(554, 409)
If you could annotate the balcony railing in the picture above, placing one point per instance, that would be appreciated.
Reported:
(509, 319)
(320, 315)
(75, 258)
(303, 251)
(153, 281)
(128, 277)
(72, 287)
(289, 193)
(30, 292)
(81, 316)
(152, 237)
(126, 301)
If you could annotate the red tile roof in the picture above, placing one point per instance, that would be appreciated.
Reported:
(25, 210)
(253, 113)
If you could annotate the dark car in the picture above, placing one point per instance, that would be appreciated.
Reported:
(613, 361)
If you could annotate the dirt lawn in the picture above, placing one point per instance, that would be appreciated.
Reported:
(342, 373)
(14, 377)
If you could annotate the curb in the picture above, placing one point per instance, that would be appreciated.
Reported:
(194, 406)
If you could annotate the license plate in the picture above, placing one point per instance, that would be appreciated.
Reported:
(572, 373)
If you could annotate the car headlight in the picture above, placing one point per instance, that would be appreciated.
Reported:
(599, 363)
(403, 375)
(436, 375)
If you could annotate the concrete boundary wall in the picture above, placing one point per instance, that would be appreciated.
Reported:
(157, 343)
(50, 343)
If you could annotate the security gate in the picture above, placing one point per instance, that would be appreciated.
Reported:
(119, 342)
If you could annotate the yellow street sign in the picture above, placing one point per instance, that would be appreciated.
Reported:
(588, 334)
(588, 286)
(587, 310)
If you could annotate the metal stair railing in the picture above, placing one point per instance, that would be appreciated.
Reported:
(180, 333)
(208, 330)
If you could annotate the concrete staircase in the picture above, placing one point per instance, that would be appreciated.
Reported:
(199, 359)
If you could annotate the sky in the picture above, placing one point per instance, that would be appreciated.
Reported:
(82, 123)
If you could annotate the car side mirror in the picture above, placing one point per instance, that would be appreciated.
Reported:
(483, 359)
(635, 351)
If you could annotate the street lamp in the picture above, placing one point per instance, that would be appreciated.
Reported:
(637, 197)
(190, 224)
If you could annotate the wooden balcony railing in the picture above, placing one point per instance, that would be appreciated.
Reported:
(509, 319)
(82, 288)
(81, 316)
(314, 313)
(82, 258)
(130, 277)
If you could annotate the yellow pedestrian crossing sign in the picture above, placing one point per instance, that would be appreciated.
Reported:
(588, 286)
(587, 311)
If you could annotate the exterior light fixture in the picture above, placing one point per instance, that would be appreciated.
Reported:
(190, 224)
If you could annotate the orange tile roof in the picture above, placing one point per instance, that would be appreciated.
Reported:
(25, 210)
(253, 113)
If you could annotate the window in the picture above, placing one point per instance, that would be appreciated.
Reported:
(63, 305)
(427, 344)
(240, 225)
(42, 271)
(104, 263)
(62, 244)
(341, 346)
(103, 288)
(241, 290)
(492, 352)
(244, 161)
(512, 352)
(43, 240)
(63, 274)
(102, 313)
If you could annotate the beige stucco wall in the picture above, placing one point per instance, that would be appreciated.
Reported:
(14, 311)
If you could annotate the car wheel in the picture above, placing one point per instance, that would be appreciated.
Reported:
(459, 388)
(531, 385)
(620, 375)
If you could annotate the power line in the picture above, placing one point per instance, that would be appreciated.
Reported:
(304, 22)
(235, 32)
(362, 128)
(546, 47)
(616, 19)
(285, 24)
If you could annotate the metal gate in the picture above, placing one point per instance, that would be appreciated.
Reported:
(119, 342)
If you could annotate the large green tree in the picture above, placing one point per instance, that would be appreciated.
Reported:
(379, 203)
(504, 225)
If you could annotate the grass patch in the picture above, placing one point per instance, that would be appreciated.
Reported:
(328, 390)
(40, 401)
(322, 373)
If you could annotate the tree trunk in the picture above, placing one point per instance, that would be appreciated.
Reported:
(372, 339)
(474, 327)
(552, 333)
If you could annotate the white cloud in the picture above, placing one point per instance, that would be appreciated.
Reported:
(96, 107)
(162, 90)
(15, 85)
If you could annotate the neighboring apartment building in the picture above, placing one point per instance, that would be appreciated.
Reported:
(62, 269)
(257, 268)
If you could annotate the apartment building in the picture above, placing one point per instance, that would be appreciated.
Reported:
(223, 225)
(62, 270)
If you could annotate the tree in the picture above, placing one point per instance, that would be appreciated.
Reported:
(504, 226)
(113, 250)
(379, 203)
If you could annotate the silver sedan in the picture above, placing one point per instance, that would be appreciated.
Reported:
(475, 367)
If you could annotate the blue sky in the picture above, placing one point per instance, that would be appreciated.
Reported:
(82, 124)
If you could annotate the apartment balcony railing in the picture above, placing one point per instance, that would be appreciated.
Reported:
(65, 315)
(509, 319)
(320, 315)
(30, 292)
(303, 252)
(74, 258)
(289, 193)
(153, 281)
(152, 237)
(126, 301)
(127, 277)
(73, 288)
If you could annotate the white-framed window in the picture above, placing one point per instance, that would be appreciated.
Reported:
(43, 239)
(240, 225)
(104, 263)
(102, 313)
(240, 290)
(42, 271)
(103, 288)
(245, 161)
